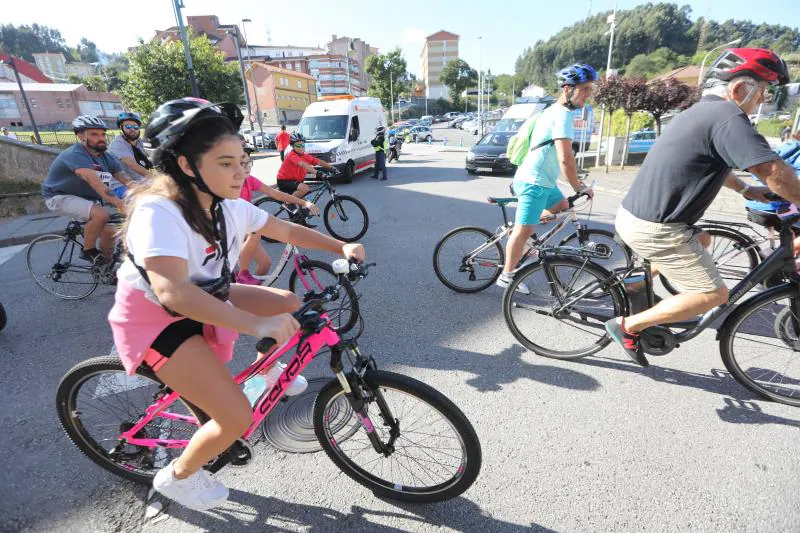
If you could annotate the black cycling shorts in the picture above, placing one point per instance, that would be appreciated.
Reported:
(169, 340)
(288, 186)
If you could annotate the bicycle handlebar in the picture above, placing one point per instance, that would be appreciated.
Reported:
(314, 299)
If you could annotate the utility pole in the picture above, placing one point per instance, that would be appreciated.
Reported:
(235, 35)
(480, 86)
(13, 66)
(612, 19)
(255, 93)
(177, 5)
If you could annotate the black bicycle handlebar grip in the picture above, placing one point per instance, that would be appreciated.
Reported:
(265, 344)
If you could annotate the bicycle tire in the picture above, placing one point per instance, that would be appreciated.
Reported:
(3, 317)
(738, 241)
(327, 411)
(61, 243)
(453, 285)
(615, 297)
(332, 212)
(275, 209)
(736, 324)
(70, 415)
(617, 250)
(350, 295)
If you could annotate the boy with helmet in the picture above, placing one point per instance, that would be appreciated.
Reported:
(550, 157)
(682, 175)
(297, 164)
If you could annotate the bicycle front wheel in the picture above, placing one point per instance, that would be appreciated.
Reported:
(735, 255)
(601, 241)
(346, 218)
(759, 346)
(562, 315)
(54, 263)
(316, 276)
(435, 456)
(97, 400)
(467, 261)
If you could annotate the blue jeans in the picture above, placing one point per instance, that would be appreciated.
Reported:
(380, 164)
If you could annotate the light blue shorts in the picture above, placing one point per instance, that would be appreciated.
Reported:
(532, 200)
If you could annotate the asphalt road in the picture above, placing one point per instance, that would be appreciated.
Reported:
(598, 444)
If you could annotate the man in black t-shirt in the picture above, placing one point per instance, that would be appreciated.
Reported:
(682, 175)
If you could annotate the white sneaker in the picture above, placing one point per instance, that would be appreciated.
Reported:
(295, 387)
(199, 491)
(505, 280)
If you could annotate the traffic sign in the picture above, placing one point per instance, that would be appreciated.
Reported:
(252, 118)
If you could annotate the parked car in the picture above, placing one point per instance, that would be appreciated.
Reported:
(450, 115)
(262, 140)
(639, 142)
(459, 121)
(425, 122)
(452, 123)
(489, 155)
(421, 133)
(470, 126)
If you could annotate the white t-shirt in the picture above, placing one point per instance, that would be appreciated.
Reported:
(157, 228)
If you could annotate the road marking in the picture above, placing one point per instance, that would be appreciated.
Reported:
(9, 252)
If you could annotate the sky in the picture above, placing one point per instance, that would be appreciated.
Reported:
(506, 27)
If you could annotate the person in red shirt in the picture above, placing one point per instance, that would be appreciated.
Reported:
(251, 249)
(295, 167)
(282, 140)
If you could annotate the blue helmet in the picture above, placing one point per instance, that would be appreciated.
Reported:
(127, 115)
(575, 74)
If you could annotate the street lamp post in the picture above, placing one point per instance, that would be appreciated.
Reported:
(612, 19)
(388, 65)
(235, 35)
(24, 97)
(703, 64)
(255, 92)
(480, 86)
(178, 4)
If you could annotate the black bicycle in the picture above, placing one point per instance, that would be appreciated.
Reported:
(54, 263)
(345, 217)
(572, 297)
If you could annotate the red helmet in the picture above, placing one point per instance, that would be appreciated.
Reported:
(758, 63)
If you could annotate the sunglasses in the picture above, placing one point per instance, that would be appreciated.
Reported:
(299, 145)
(132, 127)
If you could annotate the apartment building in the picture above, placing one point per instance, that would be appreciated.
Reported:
(438, 50)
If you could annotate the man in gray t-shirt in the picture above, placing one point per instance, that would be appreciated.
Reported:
(681, 176)
(128, 147)
(78, 179)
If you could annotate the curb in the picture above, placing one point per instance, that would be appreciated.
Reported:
(25, 239)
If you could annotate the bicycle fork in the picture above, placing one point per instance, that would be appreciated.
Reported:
(353, 391)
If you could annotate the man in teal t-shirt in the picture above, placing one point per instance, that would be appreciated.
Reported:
(536, 178)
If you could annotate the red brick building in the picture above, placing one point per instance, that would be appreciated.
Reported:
(54, 105)
(209, 26)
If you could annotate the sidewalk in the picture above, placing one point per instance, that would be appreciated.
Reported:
(22, 230)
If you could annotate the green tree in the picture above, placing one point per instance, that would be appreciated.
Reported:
(87, 51)
(658, 62)
(665, 95)
(93, 83)
(24, 41)
(458, 76)
(509, 86)
(158, 73)
(389, 75)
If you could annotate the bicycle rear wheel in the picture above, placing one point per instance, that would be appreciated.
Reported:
(276, 209)
(436, 456)
(318, 275)
(547, 321)
(96, 401)
(759, 346)
(54, 263)
(601, 241)
(346, 218)
(734, 253)
(454, 266)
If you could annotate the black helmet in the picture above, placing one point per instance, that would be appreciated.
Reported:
(296, 137)
(172, 120)
(88, 122)
(379, 130)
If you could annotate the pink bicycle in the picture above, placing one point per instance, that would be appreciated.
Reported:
(395, 435)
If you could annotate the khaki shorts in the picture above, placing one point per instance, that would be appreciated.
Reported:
(73, 206)
(674, 248)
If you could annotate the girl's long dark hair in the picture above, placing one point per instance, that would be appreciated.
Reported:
(174, 184)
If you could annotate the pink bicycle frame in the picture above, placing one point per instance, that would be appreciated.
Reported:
(304, 355)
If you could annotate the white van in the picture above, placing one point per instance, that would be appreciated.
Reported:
(338, 130)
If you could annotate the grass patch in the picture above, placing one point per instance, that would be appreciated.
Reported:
(14, 186)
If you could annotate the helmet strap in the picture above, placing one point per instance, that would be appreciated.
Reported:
(570, 92)
(201, 184)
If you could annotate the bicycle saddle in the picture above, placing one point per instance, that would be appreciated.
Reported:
(500, 201)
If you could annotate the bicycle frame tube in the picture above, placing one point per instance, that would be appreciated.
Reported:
(288, 251)
(772, 264)
(488, 244)
(308, 347)
(298, 258)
